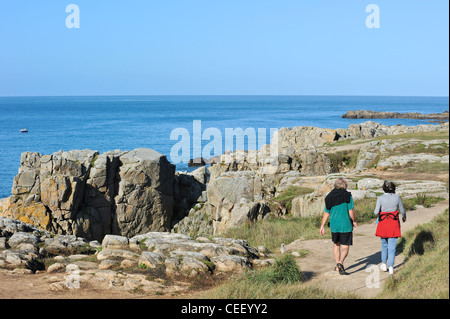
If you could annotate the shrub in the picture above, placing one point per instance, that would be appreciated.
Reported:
(285, 270)
(343, 159)
(421, 199)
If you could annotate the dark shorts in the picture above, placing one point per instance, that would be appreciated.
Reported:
(345, 239)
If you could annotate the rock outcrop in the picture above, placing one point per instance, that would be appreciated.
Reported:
(89, 195)
(364, 114)
(234, 198)
(24, 246)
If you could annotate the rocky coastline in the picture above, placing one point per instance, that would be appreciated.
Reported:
(127, 193)
(131, 209)
(364, 114)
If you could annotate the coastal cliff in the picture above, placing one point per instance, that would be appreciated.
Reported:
(90, 195)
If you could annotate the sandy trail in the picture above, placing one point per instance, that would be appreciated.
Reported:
(363, 281)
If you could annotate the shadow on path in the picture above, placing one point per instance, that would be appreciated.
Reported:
(362, 263)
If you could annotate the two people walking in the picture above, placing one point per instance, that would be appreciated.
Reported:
(339, 208)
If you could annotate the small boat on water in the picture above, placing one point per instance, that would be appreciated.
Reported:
(24, 130)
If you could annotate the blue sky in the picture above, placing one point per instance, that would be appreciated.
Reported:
(289, 47)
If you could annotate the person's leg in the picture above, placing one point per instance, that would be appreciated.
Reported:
(344, 253)
(384, 250)
(392, 245)
(337, 252)
(346, 242)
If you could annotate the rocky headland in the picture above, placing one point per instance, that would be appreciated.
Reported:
(120, 210)
(364, 114)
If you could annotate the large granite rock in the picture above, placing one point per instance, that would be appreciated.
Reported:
(89, 195)
(234, 198)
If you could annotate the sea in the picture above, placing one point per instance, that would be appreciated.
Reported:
(106, 123)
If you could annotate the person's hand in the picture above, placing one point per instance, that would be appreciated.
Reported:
(404, 219)
(322, 230)
(355, 224)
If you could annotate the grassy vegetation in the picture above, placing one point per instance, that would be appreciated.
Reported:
(420, 148)
(422, 199)
(273, 231)
(343, 159)
(364, 210)
(283, 280)
(285, 199)
(343, 142)
(423, 167)
(422, 136)
(425, 273)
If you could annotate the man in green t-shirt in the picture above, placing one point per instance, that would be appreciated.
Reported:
(339, 208)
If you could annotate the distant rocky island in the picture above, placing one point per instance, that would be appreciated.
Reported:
(364, 114)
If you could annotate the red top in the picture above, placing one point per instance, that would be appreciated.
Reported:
(388, 225)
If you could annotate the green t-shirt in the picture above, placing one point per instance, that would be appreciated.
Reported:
(340, 221)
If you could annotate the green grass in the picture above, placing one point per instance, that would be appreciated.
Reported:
(283, 280)
(420, 148)
(426, 167)
(422, 167)
(272, 232)
(286, 197)
(342, 142)
(364, 209)
(425, 273)
(422, 199)
(285, 270)
(343, 159)
(423, 136)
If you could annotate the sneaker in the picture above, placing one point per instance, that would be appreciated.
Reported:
(391, 270)
(383, 267)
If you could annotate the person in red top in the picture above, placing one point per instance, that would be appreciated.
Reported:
(389, 207)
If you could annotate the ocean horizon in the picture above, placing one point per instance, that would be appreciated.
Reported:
(126, 122)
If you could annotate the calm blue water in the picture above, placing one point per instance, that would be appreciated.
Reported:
(106, 123)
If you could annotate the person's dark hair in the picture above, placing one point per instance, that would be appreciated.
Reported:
(389, 187)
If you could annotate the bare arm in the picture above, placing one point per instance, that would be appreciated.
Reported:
(353, 217)
(324, 220)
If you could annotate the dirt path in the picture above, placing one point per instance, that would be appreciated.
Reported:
(363, 280)
(17, 285)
